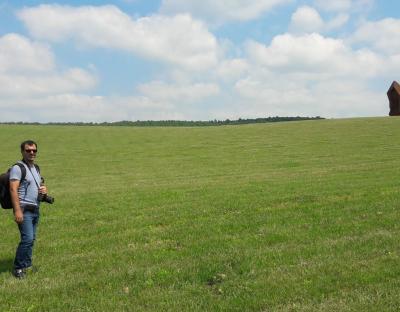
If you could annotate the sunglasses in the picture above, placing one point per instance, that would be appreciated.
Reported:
(31, 151)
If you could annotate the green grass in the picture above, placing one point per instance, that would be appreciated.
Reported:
(299, 216)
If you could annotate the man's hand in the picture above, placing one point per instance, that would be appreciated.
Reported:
(43, 189)
(19, 216)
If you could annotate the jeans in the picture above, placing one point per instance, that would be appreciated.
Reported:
(27, 230)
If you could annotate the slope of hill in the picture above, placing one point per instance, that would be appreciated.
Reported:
(300, 216)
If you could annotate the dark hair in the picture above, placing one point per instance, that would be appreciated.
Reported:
(27, 142)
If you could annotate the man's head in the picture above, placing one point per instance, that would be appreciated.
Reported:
(29, 150)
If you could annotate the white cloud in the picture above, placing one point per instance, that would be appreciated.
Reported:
(306, 19)
(27, 68)
(20, 85)
(337, 22)
(312, 75)
(229, 70)
(331, 98)
(18, 53)
(383, 35)
(313, 53)
(298, 73)
(163, 92)
(222, 10)
(344, 5)
(179, 40)
(336, 5)
(70, 107)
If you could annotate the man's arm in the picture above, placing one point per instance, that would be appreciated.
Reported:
(19, 216)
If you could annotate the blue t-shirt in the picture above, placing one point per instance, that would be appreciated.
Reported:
(28, 189)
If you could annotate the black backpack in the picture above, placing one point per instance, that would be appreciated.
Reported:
(5, 196)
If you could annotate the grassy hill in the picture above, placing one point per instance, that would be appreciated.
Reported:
(299, 216)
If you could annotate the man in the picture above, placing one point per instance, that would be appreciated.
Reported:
(25, 201)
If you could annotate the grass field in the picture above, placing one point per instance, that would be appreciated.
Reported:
(298, 216)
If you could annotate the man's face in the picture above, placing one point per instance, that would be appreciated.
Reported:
(29, 152)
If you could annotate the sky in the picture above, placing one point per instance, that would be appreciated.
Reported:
(105, 61)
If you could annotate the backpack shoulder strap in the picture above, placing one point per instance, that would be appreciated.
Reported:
(23, 170)
(22, 162)
(21, 165)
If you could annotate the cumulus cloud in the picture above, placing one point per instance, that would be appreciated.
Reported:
(311, 74)
(27, 68)
(18, 53)
(337, 5)
(179, 40)
(57, 107)
(232, 69)
(222, 10)
(298, 73)
(332, 98)
(344, 5)
(68, 107)
(163, 92)
(306, 19)
(72, 107)
(338, 21)
(383, 35)
(313, 53)
(20, 85)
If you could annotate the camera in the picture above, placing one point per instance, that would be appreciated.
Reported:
(45, 197)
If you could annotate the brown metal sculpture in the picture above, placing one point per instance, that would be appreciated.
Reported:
(394, 99)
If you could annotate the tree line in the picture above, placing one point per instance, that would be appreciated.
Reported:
(174, 123)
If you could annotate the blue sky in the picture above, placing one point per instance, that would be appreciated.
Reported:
(100, 61)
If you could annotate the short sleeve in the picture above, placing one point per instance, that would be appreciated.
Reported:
(15, 173)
